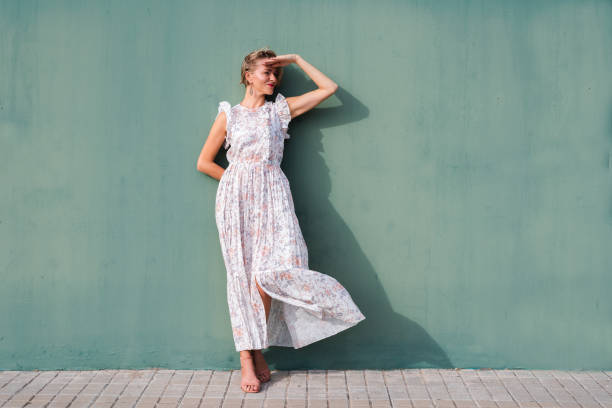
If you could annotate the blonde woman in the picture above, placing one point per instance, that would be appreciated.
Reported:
(273, 298)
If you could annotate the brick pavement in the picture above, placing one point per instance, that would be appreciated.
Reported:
(406, 388)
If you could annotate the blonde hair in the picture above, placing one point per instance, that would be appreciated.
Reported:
(250, 62)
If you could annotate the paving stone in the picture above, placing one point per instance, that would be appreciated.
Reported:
(398, 388)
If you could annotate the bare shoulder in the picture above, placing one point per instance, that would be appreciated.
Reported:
(220, 121)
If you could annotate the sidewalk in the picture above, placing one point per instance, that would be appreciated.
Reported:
(409, 388)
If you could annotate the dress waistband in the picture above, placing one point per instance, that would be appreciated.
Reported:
(253, 163)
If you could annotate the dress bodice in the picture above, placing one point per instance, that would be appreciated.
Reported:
(256, 135)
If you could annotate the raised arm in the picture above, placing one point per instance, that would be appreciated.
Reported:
(305, 102)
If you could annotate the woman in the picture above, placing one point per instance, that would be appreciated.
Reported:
(273, 298)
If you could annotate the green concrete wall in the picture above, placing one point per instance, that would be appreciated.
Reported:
(459, 183)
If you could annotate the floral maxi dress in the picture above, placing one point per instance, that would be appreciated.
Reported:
(261, 240)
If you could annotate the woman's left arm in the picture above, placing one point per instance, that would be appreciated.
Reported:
(305, 102)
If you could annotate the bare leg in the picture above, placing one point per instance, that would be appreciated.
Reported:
(262, 371)
(267, 300)
(249, 381)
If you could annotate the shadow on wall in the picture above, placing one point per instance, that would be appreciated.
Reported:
(385, 339)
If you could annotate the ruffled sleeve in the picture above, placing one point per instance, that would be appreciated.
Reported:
(224, 106)
(283, 112)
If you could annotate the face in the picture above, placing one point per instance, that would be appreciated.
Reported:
(263, 79)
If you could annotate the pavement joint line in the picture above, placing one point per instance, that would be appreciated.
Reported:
(186, 388)
(110, 380)
(506, 388)
(145, 387)
(585, 389)
(118, 397)
(24, 386)
(426, 387)
(161, 394)
(77, 395)
(8, 381)
(205, 389)
(34, 396)
(564, 388)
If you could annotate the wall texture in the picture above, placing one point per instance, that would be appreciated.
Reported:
(459, 183)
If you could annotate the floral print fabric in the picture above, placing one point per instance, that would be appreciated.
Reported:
(261, 240)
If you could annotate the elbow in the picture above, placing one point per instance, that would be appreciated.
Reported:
(332, 89)
(201, 166)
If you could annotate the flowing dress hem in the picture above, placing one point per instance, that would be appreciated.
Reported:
(313, 313)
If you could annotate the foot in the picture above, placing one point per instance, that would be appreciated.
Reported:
(262, 371)
(249, 381)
